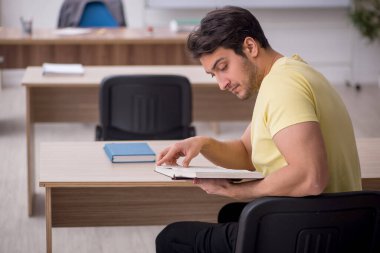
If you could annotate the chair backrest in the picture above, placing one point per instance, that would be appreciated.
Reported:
(96, 14)
(91, 13)
(340, 222)
(145, 107)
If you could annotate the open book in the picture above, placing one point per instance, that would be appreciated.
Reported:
(179, 172)
(62, 69)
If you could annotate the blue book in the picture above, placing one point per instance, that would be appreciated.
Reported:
(129, 152)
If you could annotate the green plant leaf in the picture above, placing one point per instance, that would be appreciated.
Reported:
(366, 17)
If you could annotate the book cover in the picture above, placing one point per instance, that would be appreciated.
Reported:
(179, 172)
(129, 152)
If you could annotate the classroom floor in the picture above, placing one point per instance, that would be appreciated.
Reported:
(19, 233)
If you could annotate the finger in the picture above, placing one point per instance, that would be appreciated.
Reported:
(161, 155)
(186, 161)
(171, 162)
(170, 156)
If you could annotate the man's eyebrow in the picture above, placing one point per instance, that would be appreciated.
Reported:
(215, 63)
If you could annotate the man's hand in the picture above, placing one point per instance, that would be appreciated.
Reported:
(188, 148)
(214, 186)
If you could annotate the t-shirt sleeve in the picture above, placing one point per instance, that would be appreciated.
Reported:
(290, 101)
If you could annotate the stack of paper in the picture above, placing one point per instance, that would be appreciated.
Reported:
(72, 31)
(62, 69)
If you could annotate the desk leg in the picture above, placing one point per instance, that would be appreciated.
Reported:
(30, 152)
(48, 213)
(1, 77)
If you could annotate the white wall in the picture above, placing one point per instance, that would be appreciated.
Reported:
(43, 12)
(323, 37)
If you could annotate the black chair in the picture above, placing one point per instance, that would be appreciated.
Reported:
(339, 222)
(145, 107)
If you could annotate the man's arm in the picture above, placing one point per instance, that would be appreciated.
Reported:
(230, 154)
(306, 173)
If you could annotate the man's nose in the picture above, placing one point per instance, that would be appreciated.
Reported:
(223, 83)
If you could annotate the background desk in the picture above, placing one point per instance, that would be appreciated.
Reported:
(84, 189)
(121, 46)
(75, 99)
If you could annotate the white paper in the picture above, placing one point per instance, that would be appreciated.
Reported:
(62, 69)
(72, 31)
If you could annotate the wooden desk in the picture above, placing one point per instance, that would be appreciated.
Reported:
(75, 99)
(83, 188)
(369, 155)
(121, 46)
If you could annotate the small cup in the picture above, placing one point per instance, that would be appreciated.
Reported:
(27, 26)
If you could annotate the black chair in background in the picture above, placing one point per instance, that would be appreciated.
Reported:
(336, 223)
(145, 107)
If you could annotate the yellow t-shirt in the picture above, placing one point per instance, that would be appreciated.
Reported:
(293, 92)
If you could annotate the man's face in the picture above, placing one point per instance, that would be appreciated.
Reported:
(233, 72)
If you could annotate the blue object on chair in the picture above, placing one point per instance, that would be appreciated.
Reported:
(96, 14)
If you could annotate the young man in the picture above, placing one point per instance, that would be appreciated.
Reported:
(300, 137)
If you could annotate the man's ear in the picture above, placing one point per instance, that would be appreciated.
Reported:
(251, 47)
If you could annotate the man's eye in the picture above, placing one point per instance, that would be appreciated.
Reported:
(212, 75)
(223, 67)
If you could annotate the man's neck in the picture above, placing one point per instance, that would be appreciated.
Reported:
(270, 57)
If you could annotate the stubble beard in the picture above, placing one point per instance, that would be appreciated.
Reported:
(252, 83)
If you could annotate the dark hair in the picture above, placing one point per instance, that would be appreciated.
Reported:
(226, 27)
